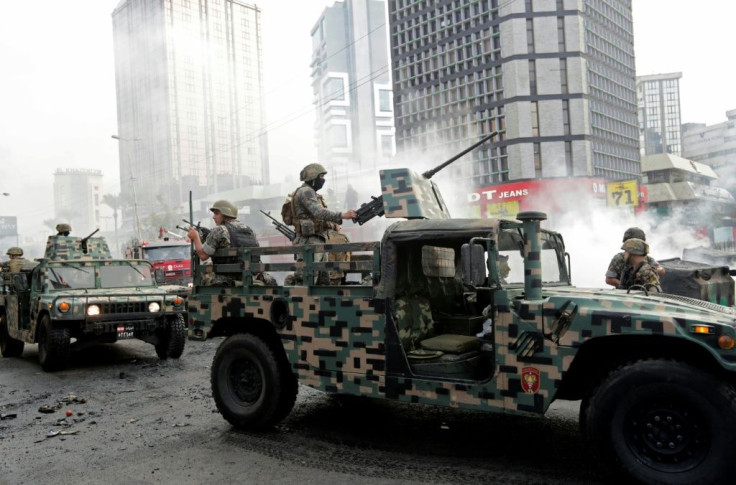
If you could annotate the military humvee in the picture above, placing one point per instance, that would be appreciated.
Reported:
(478, 314)
(77, 291)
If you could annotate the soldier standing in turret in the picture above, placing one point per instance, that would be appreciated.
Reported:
(638, 271)
(63, 229)
(16, 261)
(313, 222)
(617, 266)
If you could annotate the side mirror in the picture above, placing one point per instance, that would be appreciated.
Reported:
(473, 264)
(160, 276)
(20, 282)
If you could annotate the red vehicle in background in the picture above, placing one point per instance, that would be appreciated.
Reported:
(172, 256)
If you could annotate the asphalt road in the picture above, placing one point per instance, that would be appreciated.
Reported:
(137, 420)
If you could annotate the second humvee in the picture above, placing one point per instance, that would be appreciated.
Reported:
(78, 291)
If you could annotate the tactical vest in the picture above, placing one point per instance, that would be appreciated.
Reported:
(241, 236)
(320, 227)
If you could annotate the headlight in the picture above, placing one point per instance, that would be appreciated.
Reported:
(154, 307)
(63, 306)
(93, 310)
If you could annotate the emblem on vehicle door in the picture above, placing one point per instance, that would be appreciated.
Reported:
(530, 379)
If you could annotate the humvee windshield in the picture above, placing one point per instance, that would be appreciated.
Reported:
(126, 275)
(511, 259)
(65, 275)
(166, 253)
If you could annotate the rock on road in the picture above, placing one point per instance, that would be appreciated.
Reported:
(137, 420)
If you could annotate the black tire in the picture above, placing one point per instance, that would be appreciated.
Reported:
(53, 345)
(172, 338)
(663, 422)
(9, 346)
(247, 383)
(289, 391)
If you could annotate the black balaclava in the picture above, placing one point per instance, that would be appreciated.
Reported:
(317, 183)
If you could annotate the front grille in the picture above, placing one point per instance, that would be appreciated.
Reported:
(123, 307)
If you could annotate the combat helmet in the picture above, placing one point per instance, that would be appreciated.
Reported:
(634, 232)
(636, 246)
(226, 207)
(311, 172)
(15, 251)
(63, 228)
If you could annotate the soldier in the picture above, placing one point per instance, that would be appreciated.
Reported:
(617, 266)
(313, 222)
(16, 261)
(228, 232)
(638, 270)
(63, 229)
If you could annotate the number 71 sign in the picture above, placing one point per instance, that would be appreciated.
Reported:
(623, 193)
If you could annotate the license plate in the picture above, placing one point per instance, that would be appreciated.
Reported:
(126, 331)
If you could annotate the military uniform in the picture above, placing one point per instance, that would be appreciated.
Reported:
(644, 275)
(315, 224)
(617, 266)
(232, 233)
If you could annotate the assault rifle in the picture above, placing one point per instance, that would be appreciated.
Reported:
(374, 208)
(83, 241)
(203, 231)
(282, 228)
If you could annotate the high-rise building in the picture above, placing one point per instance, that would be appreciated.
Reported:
(77, 198)
(189, 95)
(659, 113)
(351, 82)
(555, 78)
(715, 146)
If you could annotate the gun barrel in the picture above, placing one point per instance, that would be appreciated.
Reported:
(429, 173)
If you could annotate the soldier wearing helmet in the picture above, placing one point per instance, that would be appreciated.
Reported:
(638, 271)
(228, 232)
(16, 261)
(618, 266)
(63, 229)
(313, 222)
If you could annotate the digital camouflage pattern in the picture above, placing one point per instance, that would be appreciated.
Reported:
(310, 206)
(337, 339)
(617, 266)
(643, 275)
(68, 248)
(410, 195)
(64, 285)
(412, 335)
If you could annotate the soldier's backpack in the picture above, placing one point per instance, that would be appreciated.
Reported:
(287, 210)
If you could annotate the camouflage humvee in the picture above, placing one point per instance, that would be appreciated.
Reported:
(77, 291)
(478, 314)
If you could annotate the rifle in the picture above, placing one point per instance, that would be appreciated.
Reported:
(282, 228)
(369, 210)
(203, 231)
(83, 241)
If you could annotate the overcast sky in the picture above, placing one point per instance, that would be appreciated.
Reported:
(57, 87)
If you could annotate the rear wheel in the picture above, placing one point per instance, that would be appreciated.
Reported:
(53, 345)
(172, 338)
(9, 346)
(664, 422)
(248, 384)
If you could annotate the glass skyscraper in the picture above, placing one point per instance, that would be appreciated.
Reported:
(660, 124)
(189, 95)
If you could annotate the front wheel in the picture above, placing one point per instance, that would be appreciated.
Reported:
(664, 422)
(9, 346)
(247, 383)
(53, 345)
(172, 338)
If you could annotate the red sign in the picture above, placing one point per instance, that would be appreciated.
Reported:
(530, 379)
(548, 195)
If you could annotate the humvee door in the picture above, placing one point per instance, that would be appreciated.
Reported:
(410, 195)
